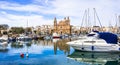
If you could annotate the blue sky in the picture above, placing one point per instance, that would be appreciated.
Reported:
(41, 12)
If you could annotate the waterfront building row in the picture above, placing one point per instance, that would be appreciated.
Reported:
(60, 27)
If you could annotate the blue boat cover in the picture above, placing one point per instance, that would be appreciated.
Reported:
(110, 38)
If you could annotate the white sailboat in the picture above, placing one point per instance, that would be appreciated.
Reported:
(24, 37)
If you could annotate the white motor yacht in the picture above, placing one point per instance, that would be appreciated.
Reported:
(97, 42)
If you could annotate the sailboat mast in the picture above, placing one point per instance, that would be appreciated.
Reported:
(89, 24)
(116, 19)
(26, 30)
(86, 21)
(119, 25)
(98, 18)
(27, 23)
(110, 26)
(116, 24)
(94, 17)
(83, 18)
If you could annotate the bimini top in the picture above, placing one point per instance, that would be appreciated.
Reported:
(108, 37)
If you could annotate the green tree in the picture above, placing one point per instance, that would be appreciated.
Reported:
(28, 29)
(17, 30)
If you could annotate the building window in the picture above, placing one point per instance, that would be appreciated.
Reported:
(61, 27)
(61, 32)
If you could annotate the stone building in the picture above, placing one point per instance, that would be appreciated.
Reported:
(62, 27)
(4, 28)
(46, 29)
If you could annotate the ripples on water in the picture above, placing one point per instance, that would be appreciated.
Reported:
(52, 52)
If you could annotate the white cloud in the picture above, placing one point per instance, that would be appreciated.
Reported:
(17, 7)
(76, 8)
(106, 10)
(15, 20)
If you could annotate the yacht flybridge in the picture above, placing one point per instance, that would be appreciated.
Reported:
(97, 42)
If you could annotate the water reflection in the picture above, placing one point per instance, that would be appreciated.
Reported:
(61, 45)
(55, 45)
(17, 45)
(40, 52)
(96, 58)
(4, 51)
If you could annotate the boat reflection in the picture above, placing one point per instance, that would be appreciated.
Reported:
(17, 45)
(96, 58)
(41, 45)
(21, 44)
(5, 50)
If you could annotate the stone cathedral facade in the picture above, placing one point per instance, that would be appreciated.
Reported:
(63, 26)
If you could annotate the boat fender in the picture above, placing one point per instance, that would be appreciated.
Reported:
(21, 55)
(92, 48)
(119, 48)
(27, 54)
(82, 48)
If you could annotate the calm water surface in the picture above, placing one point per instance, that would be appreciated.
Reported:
(53, 52)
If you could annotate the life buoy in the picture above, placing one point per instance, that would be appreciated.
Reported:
(22, 55)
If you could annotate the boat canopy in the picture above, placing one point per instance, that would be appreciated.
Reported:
(110, 38)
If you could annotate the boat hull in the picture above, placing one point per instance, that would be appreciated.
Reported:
(96, 47)
(56, 37)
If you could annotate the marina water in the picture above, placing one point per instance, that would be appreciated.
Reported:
(52, 52)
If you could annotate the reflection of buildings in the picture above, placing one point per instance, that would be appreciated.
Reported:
(63, 27)
(58, 45)
(43, 42)
(17, 45)
(61, 45)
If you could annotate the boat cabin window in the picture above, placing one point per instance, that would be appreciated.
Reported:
(90, 34)
(100, 41)
(89, 41)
